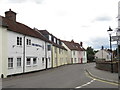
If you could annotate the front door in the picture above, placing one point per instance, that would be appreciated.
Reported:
(46, 63)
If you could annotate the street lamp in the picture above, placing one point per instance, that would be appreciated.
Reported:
(118, 46)
(110, 32)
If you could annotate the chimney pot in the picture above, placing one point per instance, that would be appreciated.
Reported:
(10, 15)
(81, 44)
(72, 41)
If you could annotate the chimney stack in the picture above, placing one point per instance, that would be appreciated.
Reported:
(81, 44)
(72, 41)
(10, 15)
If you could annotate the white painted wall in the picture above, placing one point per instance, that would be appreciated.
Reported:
(75, 56)
(49, 56)
(31, 51)
(3, 51)
(35, 51)
(102, 54)
(84, 57)
(0, 50)
(14, 51)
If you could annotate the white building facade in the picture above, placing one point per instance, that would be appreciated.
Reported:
(22, 51)
(103, 55)
(76, 52)
(3, 49)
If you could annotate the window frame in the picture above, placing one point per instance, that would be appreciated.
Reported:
(27, 61)
(10, 63)
(35, 60)
(49, 47)
(43, 61)
(19, 41)
(28, 42)
(19, 63)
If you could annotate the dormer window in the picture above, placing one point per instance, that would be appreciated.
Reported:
(50, 38)
(54, 40)
(57, 41)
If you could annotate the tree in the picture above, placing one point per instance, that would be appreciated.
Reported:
(90, 54)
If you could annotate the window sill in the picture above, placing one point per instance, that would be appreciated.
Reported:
(34, 65)
(10, 68)
(19, 46)
(28, 66)
(19, 67)
(28, 45)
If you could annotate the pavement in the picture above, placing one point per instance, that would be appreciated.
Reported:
(101, 74)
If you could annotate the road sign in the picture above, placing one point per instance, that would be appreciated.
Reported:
(118, 43)
(115, 38)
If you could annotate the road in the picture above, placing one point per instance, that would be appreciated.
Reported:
(68, 76)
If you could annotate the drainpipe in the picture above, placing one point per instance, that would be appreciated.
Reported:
(52, 55)
(24, 54)
(46, 55)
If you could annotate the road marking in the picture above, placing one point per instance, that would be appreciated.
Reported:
(100, 79)
(86, 84)
(94, 79)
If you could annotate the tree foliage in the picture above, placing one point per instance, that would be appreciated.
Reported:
(90, 54)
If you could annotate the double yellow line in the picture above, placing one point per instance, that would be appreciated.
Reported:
(88, 74)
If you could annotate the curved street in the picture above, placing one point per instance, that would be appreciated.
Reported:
(68, 76)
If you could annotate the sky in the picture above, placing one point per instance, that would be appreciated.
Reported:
(80, 20)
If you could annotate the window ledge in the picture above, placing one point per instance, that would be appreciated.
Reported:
(34, 65)
(19, 66)
(10, 68)
(28, 66)
(28, 45)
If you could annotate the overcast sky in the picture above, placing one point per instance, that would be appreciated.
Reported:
(80, 20)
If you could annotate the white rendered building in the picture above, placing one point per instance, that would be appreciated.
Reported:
(22, 49)
(76, 52)
(103, 55)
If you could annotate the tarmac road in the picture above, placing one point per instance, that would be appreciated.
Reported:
(68, 76)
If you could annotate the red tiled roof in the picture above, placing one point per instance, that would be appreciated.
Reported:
(73, 46)
(22, 29)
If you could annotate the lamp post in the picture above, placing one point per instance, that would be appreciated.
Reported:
(118, 54)
(110, 32)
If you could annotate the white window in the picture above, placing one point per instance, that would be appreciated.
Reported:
(19, 40)
(10, 62)
(57, 41)
(73, 52)
(28, 62)
(49, 47)
(34, 61)
(18, 62)
(50, 37)
(28, 41)
(54, 40)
